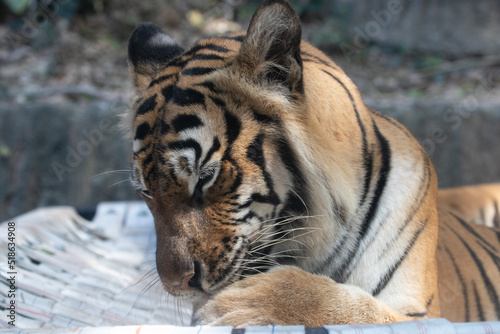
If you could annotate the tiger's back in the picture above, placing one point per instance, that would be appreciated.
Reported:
(479, 204)
(468, 252)
(255, 151)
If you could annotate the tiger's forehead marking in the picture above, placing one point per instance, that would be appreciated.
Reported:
(171, 122)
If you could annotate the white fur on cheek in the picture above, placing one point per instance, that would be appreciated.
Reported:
(136, 145)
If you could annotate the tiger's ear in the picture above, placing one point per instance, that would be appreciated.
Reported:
(270, 50)
(149, 51)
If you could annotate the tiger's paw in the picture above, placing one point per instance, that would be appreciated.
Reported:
(283, 296)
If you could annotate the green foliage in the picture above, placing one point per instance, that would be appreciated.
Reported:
(113, 42)
(17, 6)
(5, 151)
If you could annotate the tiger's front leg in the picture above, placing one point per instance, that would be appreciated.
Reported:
(291, 296)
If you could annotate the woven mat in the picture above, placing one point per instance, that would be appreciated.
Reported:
(73, 275)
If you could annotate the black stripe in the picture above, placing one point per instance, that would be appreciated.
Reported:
(210, 86)
(238, 38)
(233, 127)
(392, 121)
(163, 160)
(187, 97)
(385, 151)
(218, 102)
(230, 269)
(490, 288)
(366, 157)
(249, 215)
(255, 153)
(414, 207)
(202, 56)
(148, 159)
(165, 128)
(337, 275)
(429, 302)
(297, 201)
(143, 131)
(245, 205)
(379, 189)
(368, 164)
(141, 150)
(197, 197)
(496, 217)
(212, 47)
(215, 147)
(338, 210)
(160, 80)
(178, 62)
(198, 70)
(495, 258)
(263, 118)
(270, 198)
(167, 92)
(187, 144)
(471, 230)
(462, 282)
(417, 315)
(234, 170)
(186, 121)
(417, 204)
(151, 173)
(479, 307)
(317, 59)
(147, 106)
(388, 275)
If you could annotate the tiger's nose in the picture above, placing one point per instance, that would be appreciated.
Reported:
(184, 284)
(190, 281)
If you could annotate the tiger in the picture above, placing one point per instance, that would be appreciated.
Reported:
(479, 204)
(278, 197)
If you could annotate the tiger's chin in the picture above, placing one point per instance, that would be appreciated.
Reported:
(203, 293)
(194, 296)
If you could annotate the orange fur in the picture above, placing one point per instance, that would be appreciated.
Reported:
(479, 204)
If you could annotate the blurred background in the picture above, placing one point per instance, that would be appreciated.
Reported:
(433, 65)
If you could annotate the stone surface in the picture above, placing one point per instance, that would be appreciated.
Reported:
(459, 28)
(54, 154)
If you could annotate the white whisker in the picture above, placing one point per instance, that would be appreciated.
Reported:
(112, 171)
(117, 183)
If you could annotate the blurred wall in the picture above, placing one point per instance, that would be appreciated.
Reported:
(62, 154)
(457, 28)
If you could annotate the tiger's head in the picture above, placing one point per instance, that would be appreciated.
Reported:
(211, 155)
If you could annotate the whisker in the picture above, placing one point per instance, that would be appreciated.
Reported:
(116, 183)
(269, 243)
(142, 292)
(302, 200)
(277, 242)
(283, 221)
(277, 254)
(112, 171)
(287, 232)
